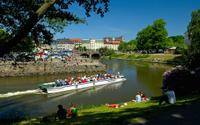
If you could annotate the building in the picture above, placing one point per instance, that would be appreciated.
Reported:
(90, 44)
(113, 40)
(170, 50)
(66, 44)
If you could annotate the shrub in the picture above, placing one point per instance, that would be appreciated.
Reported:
(181, 80)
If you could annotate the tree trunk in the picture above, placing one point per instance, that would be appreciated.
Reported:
(24, 30)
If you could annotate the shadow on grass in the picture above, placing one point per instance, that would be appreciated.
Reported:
(180, 113)
(145, 115)
(177, 60)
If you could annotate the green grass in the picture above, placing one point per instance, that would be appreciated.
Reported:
(162, 58)
(132, 113)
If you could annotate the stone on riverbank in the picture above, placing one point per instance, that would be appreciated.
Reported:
(49, 67)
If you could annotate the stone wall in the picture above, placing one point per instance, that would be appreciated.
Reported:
(48, 67)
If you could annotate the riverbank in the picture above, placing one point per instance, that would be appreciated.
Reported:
(11, 68)
(154, 58)
(185, 112)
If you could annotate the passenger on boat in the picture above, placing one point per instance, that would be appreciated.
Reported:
(83, 81)
(61, 113)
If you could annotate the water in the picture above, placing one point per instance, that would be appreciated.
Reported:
(19, 96)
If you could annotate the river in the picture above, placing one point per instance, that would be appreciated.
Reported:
(18, 95)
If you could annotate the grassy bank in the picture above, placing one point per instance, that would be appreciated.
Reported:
(134, 113)
(158, 58)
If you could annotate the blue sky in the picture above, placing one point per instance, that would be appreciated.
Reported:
(127, 17)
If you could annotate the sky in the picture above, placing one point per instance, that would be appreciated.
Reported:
(127, 17)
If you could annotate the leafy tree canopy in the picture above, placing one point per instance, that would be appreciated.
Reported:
(106, 51)
(26, 45)
(178, 42)
(3, 35)
(127, 46)
(193, 31)
(40, 19)
(153, 37)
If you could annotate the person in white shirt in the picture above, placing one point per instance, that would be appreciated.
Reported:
(138, 97)
(168, 97)
(171, 96)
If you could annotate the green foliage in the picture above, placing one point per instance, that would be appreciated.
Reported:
(193, 31)
(182, 81)
(178, 42)
(81, 48)
(27, 45)
(106, 51)
(153, 37)
(127, 46)
(40, 19)
(3, 35)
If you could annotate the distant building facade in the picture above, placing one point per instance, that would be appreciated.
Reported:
(90, 44)
(66, 44)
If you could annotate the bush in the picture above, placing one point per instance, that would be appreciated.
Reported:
(182, 81)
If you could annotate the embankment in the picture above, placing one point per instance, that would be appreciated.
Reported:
(48, 67)
(153, 58)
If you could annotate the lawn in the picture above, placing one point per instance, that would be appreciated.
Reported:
(103, 115)
(160, 58)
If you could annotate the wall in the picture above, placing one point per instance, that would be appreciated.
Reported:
(42, 68)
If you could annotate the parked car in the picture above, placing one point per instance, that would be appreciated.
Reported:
(56, 56)
(25, 57)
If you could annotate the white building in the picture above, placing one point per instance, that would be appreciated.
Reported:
(90, 44)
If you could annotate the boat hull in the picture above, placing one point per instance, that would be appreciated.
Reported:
(64, 88)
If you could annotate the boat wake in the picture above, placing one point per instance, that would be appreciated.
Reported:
(11, 94)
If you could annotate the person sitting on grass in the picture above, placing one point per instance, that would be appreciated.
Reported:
(113, 105)
(144, 97)
(138, 97)
(167, 97)
(61, 113)
(72, 112)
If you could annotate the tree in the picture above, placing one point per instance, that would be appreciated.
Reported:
(127, 46)
(3, 36)
(193, 31)
(81, 48)
(26, 45)
(153, 37)
(178, 42)
(106, 51)
(40, 19)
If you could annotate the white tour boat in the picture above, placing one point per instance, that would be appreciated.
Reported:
(61, 86)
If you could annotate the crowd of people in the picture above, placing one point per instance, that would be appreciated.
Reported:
(85, 79)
